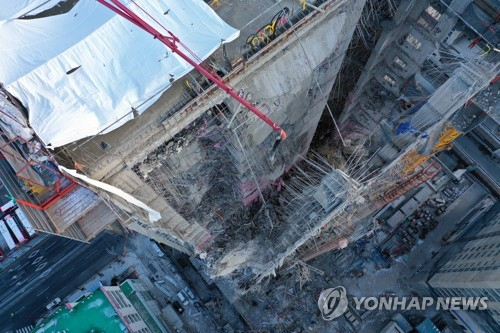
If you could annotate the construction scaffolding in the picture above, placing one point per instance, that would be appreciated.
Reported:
(412, 160)
(52, 202)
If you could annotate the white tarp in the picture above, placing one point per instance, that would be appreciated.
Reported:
(119, 65)
(153, 214)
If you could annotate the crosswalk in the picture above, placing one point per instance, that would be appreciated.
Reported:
(26, 329)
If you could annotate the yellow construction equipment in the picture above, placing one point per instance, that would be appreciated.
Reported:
(413, 159)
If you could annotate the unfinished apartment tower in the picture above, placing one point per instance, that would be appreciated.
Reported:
(186, 164)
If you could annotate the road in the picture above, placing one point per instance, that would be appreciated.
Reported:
(473, 150)
(53, 268)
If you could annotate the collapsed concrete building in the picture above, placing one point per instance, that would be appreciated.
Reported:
(204, 177)
(197, 172)
(207, 178)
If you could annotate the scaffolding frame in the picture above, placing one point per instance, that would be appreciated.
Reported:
(59, 185)
(426, 173)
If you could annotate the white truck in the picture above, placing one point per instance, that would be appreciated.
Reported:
(11, 223)
(6, 235)
(183, 297)
(24, 221)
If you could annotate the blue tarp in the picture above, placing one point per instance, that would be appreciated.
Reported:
(405, 127)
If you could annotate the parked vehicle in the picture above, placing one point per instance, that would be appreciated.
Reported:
(6, 235)
(183, 297)
(24, 221)
(14, 228)
(159, 251)
(54, 303)
(172, 267)
(188, 292)
(439, 202)
(440, 210)
(198, 306)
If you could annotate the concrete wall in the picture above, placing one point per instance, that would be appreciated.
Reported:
(473, 271)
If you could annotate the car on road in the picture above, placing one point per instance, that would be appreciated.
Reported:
(198, 306)
(54, 303)
(388, 293)
(172, 267)
(183, 297)
(188, 292)
(158, 279)
(158, 250)
(178, 307)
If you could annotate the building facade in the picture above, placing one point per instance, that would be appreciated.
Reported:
(111, 309)
(473, 269)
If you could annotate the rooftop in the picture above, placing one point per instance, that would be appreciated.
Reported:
(94, 313)
(127, 288)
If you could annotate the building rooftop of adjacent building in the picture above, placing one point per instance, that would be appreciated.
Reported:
(141, 299)
(127, 308)
(469, 267)
(93, 313)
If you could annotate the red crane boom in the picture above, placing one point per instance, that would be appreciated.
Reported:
(171, 42)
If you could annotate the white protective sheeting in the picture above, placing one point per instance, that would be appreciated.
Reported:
(119, 65)
(153, 214)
